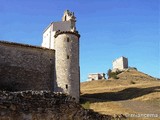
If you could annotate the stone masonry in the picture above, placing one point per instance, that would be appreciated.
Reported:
(96, 76)
(54, 66)
(120, 63)
(43, 105)
(64, 39)
(25, 67)
(67, 63)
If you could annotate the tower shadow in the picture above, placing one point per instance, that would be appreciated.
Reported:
(126, 94)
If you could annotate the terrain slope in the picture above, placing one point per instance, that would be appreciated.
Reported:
(134, 93)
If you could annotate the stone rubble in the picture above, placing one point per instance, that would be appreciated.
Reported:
(43, 105)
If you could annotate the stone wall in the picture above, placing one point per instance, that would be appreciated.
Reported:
(49, 33)
(43, 105)
(67, 63)
(96, 76)
(24, 67)
(120, 63)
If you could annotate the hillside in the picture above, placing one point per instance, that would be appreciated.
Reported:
(134, 92)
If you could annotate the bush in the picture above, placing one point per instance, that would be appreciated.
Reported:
(113, 75)
(118, 72)
(86, 105)
(109, 73)
(132, 82)
(133, 68)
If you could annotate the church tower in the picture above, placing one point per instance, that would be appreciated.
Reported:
(67, 59)
(64, 39)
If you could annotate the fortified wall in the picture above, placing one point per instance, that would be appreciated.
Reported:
(25, 67)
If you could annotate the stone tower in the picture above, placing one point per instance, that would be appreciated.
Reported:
(64, 39)
(67, 58)
(67, 63)
(120, 63)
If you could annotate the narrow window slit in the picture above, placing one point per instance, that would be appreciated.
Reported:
(66, 86)
(67, 39)
(67, 56)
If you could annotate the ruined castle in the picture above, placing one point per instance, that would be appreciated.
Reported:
(120, 63)
(54, 66)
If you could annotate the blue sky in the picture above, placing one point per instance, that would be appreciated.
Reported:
(109, 29)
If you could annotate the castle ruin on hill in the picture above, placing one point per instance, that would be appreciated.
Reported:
(54, 66)
(120, 64)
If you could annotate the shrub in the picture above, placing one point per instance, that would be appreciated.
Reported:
(113, 74)
(135, 68)
(86, 105)
(109, 73)
(118, 72)
(132, 82)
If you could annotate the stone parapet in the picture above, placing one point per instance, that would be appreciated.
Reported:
(67, 32)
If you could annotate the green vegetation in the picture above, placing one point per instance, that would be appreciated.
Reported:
(134, 68)
(133, 90)
(86, 105)
(132, 82)
(113, 74)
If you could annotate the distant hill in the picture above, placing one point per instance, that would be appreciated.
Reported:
(132, 74)
(133, 92)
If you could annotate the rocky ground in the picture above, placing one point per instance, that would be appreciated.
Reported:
(43, 105)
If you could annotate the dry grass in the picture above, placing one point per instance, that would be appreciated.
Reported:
(115, 96)
(102, 107)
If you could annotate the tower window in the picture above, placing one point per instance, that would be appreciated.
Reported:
(66, 86)
(67, 56)
(67, 39)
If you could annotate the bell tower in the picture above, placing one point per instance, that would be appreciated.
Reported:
(69, 16)
(67, 58)
(63, 37)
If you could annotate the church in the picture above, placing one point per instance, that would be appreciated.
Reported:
(53, 66)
